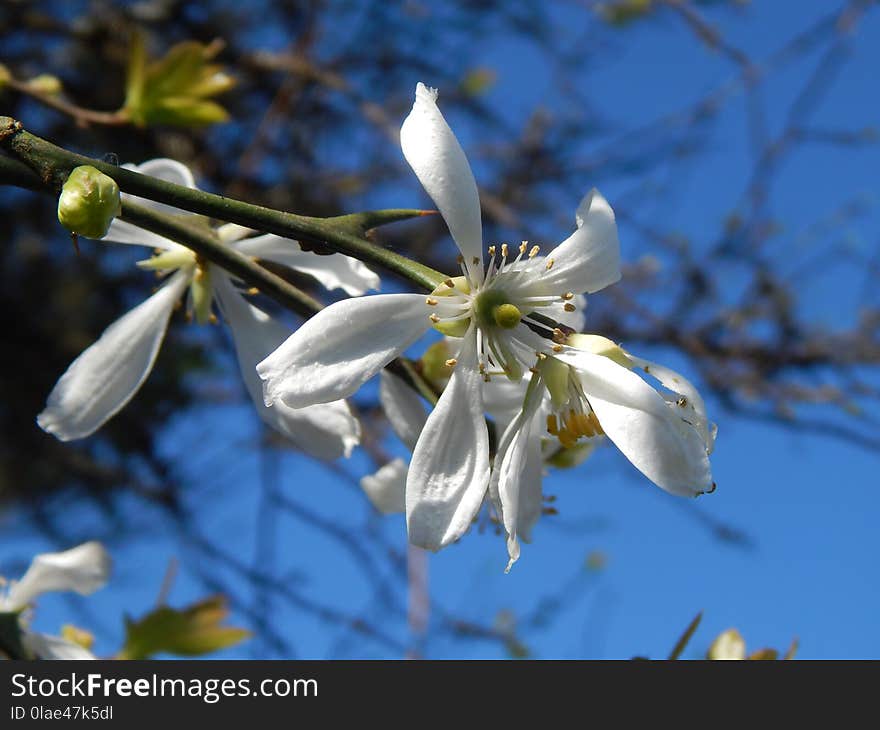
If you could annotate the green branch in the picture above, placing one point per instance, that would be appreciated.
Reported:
(344, 234)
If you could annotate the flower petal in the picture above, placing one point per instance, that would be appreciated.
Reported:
(341, 347)
(106, 375)
(45, 646)
(677, 383)
(403, 407)
(387, 487)
(589, 259)
(335, 271)
(449, 471)
(518, 471)
(122, 232)
(83, 569)
(326, 430)
(649, 432)
(439, 162)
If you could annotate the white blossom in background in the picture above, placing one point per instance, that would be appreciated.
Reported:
(108, 374)
(83, 569)
(494, 311)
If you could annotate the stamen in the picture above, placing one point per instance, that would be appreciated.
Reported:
(549, 264)
(491, 250)
(558, 336)
(212, 318)
(451, 362)
(556, 348)
(522, 247)
(568, 296)
(475, 260)
(682, 402)
(253, 291)
(552, 426)
(569, 307)
(449, 282)
(434, 318)
(534, 251)
(595, 421)
(504, 250)
(431, 302)
(541, 355)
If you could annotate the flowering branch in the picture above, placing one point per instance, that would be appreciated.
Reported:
(343, 234)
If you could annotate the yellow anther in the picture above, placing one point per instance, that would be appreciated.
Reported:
(431, 302)
(556, 348)
(552, 426)
(523, 246)
(434, 318)
(595, 421)
(491, 250)
(569, 307)
(541, 355)
(558, 336)
(253, 291)
(212, 318)
(534, 251)
(549, 264)
(475, 260)
(504, 250)
(568, 296)
(451, 362)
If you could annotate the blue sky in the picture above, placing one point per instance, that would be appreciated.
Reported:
(808, 504)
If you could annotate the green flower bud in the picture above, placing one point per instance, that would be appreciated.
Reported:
(45, 84)
(89, 202)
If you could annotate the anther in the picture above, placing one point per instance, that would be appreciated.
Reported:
(475, 260)
(212, 318)
(534, 251)
(549, 264)
(568, 296)
(450, 283)
(253, 291)
(504, 250)
(434, 318)
(523, 246)
(431, 302)
(558, 336)
(541, 355)
(569, 307)
(460, 259)
(556, 348)
(682, 402)
(491, 250)
(451, 362)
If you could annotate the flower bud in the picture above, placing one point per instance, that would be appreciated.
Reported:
(45, 84)
(89, 202)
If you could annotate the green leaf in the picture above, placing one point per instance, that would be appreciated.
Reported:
(190, 631)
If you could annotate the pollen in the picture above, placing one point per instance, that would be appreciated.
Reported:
(549, 264)
(491, 250)
(523, 246)
(504, 250)
(534, 251)
(451, 362)
(253, 291)
(431, 302)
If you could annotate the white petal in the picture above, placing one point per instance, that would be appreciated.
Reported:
(403, 407)
(83, 569)
(106, 375)
(650, 433)
(44, 646)
(694, 403)
(503, 399)
(335, 271)
(387, 487)
(449, 471)
(518, 472)
(437, 159)
(341, 347)
(122, 232)
(589, 259)
(326, 430)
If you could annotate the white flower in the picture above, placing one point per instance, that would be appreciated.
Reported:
(83, 569)
(108, 374)
(504, 315)
(386, 488)
(593, 390)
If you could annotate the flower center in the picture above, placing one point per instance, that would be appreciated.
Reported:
(493, 308)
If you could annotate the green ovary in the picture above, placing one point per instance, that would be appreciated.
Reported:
(493, 309)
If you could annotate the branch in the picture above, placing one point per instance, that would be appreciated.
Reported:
(343, 234)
